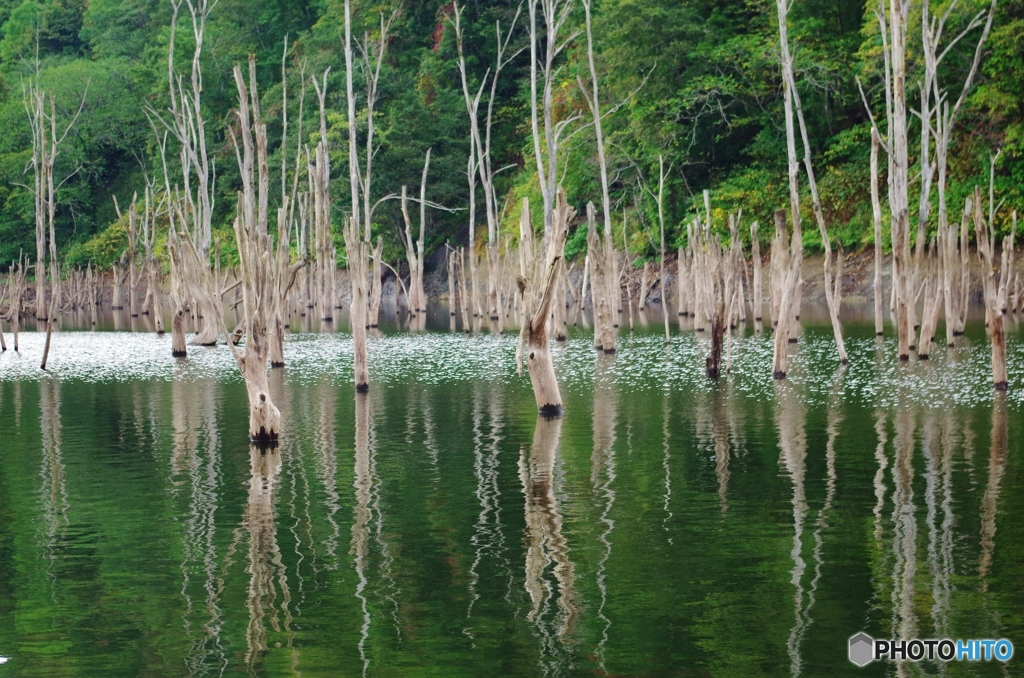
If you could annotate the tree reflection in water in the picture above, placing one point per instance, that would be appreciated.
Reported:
(791, 422)
(602, 475)
(545, 541)
(196, 475)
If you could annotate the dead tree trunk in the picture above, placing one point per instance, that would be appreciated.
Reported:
(757, 290)
(463, 299)
(356, 254)
(985, 235)
(792, 105)
(604, 331)
(538, 283)
(259, 275)
(789, 289)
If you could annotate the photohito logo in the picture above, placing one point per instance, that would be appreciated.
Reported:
(864, 649)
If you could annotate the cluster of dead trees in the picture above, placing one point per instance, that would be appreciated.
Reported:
(524, 280)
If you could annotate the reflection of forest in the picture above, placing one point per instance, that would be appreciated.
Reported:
(650, 525)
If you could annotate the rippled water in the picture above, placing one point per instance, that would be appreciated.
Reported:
(665, 526)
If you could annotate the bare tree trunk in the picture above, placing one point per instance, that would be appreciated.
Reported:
(757, 292)
(493, 271)
(52, 311)
(375, 285)
(793, 106)
(356, 253)
(451, 285)
(645, 287)
(260, 276)
(714, 359)
(599, 287)
(985, 236)
(790, 289)
(538, 298)
(463, 299)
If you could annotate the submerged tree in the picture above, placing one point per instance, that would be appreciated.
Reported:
(193, 215)
(538, 284)
(792, 105)
(259, 267)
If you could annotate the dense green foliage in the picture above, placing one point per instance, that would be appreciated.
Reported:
(695, 81)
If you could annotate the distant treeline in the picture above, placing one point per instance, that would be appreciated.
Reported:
(696, 81)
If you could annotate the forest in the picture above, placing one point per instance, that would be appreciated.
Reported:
(697, 84)
(552, 337)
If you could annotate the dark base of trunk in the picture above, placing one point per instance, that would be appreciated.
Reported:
(878, 334)
(922, 356)
(616, 325)
(844, 361)
(263, 436)
(609, 351)
(362, 388)
(1002, 386)
(957, 333)
(273, 364)
(778, 374)
(452, 314)
(159, 333)
(551, 410)
(794, 340)
(560, 337)
(758, 319)
(699, 329)
(904, 358)
(179, 354)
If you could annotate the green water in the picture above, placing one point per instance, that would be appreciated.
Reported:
(664, 526)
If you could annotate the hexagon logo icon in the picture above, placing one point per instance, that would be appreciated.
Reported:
(862, 649)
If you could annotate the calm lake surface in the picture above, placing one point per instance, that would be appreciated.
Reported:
(437, 526)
